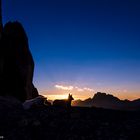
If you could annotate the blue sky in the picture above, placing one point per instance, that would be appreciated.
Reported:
(82, 43)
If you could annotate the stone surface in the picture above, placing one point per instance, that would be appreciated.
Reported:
(17, 65)
(76, 123)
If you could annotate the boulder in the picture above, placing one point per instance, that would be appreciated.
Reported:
(34, 103)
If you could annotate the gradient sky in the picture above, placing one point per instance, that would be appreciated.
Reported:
(82, 46)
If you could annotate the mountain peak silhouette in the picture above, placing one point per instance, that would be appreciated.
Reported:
(108, 101)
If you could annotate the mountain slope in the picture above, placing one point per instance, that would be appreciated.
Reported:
(109, 101)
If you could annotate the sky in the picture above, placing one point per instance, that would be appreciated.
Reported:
(82, 46)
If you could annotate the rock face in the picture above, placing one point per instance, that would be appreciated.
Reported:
(0, 20)
(103, 100)
(106, 101)
(34, 103)
(0, 38)
(17, 65)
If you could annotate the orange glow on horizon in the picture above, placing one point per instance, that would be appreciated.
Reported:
(65, 96)
(82, 93)
(85, 96)
(53, 97)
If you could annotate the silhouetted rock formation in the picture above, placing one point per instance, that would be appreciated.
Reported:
(1, 27)
(35, 102)
(48, 102)
(17, 65)
(106, 101)
(103, 100)
(0, 19)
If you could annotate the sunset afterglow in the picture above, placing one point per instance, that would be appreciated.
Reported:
(82, 47)
(62, 91)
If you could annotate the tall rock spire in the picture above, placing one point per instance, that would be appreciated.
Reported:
(0, 12)
(1, 26)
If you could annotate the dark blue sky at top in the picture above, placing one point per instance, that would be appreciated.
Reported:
(83, 42)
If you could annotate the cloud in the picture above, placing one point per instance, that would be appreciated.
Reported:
(88, 89)
(79, 89)
(64, 87)
(74, 88)
(122, 90)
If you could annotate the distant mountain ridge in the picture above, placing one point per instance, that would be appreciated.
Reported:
(108, 101)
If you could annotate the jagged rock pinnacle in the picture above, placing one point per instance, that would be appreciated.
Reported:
(1, 26)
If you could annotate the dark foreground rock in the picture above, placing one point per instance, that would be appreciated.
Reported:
(54, 123)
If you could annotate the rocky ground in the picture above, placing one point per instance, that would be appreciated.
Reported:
(75, 123)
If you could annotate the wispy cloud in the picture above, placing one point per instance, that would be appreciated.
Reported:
(88, 89)
(79, 89)
(62, 87)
